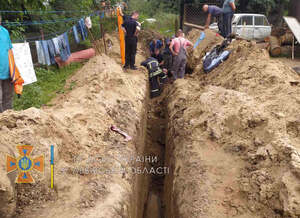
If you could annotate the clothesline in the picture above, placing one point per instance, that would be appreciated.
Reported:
(43, 12)
(29, 23)
(32, 39)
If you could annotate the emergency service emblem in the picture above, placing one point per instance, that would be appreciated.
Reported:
(24, 164)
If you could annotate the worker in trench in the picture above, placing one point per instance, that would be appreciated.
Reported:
(178, 48)
(131, 29)
(155, 44)
(157, 76)
(214, 11)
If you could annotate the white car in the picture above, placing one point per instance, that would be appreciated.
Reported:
(251, 26)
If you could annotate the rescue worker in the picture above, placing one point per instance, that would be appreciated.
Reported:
(167, 57)
(178, 48)
(131, 28)
(228, 11)
(156, 76)
(158, 56)
(6, 86)
(155, 44)
(214, 11)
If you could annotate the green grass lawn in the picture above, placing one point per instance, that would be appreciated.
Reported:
(50, 82)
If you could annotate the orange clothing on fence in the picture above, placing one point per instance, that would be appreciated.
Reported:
(15, 74)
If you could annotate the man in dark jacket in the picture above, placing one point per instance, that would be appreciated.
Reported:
(131, 29)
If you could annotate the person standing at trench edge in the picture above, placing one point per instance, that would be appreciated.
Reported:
(131, 28)
(178, 48)
(6, 85)
(228, 11)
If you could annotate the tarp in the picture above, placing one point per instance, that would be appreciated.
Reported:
(77, 57)
(294, 26)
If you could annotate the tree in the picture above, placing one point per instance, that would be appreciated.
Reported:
(294, 9)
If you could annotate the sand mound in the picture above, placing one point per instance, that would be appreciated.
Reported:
(78, 125)
(239, 127)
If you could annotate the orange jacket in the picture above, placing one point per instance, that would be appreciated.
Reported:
(15, 74)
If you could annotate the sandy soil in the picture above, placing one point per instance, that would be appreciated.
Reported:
(78, 125)
(231, 139)
(234, 139)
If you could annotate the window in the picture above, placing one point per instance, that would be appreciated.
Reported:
(266, 23)
(259, 20)
(247, 20)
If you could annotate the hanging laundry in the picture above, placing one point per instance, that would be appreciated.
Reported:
(64, 54)
(75, 32)
(46, 52)
(51, 51)
(40, 52)
(82, 28)
(23, 60)
(102, 15)
(55, 42)
(88, 22)
(67, 43)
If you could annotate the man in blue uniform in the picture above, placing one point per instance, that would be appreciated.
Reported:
(155, 44)
(6, 87)
(131, 29)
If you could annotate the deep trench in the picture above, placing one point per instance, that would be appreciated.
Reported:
(155, 142)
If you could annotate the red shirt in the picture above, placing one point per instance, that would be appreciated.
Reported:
(175, 44)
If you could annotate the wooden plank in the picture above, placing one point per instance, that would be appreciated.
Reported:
(194, 26)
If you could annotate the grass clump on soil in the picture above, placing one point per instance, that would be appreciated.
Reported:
(49, 83)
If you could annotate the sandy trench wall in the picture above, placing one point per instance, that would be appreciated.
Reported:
(78, 125)
(233, 139)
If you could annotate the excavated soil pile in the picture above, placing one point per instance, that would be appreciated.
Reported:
(90, 159)
(233, 139)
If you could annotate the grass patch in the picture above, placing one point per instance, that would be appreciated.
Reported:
(50, 82)
(165, 23)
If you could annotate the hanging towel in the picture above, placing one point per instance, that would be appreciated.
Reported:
(83, 30)
(23, 61)
(40, 52)
(64, 54)
(67, 43)
(46, 52)
(55, 42)
(88, 22)
(51, 51)
(76, 37)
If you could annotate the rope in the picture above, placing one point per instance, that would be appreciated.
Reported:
(43, 12)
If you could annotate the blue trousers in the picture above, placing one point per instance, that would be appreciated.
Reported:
(227, 19)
